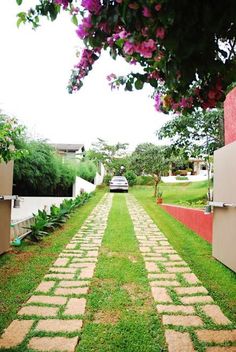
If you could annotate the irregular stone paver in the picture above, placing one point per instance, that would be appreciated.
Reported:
(181, 320)
(39, 311)
(58, 325)
(61, 262)
(178, 341)
(164, 308)
(15, 333)
(190, 290)
(71, 291)
(217, 336)
(73, 283)
(196, 299)
(48, 300)
(45, 286)
(63, 344)
(160, 294)
(215, 313)
(75, 306)
(77, 261)
(180, 297)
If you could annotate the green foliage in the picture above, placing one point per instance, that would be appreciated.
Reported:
(149, 158)
(40, 172)
(131, 177)
(87, 170)
(107, 179)
(181, 178)
(11, 137)
(145, 180)
(45, 223)
(198, 133)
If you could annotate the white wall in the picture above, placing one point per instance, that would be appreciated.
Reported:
(98, 180)
(191, 178)
(81, 184)
(31, 205)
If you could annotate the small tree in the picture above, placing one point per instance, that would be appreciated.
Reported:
(150, 159)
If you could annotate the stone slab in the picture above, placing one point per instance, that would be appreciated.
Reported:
(60, 276)
(61, 262)
(160, 294)
(191, 278)
(75, 306)
(45, 286)
(15, 333)
(73, 283)
(58, 301)
(71, 291)
(39, 311)
(190, 290)
(59, 344)
(196, 299)
(178, 341)
(216, 315)
(216, 336)
(181, 320)
(59, 325)
(170, 308)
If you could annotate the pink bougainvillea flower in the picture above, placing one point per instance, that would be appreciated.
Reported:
(158, 102)
(129, 48)
(64, 3)
(119, 1)
(146, 12)
(83, 29)
(93, 6)
(147, 48)
(160, 32)
(111, 77)
(157, 7)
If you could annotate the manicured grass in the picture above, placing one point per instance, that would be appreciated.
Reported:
(22, 269)
(218, 279)
(121, 314)
(189, 194)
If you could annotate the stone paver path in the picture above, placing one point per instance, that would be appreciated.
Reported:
(186, 308)
(57, 306)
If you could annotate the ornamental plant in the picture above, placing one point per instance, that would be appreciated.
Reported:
(186, 49)
(11, 136)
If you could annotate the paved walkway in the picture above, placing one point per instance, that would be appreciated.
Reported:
(51, 320)
(183, 303)
(57, 306)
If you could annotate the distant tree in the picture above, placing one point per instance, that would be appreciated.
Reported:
(112, 156)
(150, 159)
(198, 133)
(87, 170)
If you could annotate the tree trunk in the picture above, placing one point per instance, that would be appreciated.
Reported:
(156, 181)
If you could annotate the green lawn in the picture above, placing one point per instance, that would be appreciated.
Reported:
(121, 314)
(22, 269)
(218, 279)
(190, 194)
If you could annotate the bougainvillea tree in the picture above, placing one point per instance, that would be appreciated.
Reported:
(186, 48)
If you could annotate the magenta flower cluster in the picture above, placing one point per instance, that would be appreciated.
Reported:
(64, 3)
(93, 6)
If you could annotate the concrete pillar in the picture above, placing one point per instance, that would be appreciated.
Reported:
(6, 180)
(230, 117)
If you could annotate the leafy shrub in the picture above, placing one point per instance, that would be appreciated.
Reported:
(131, 177)
(107, 179)
(181, 178)
(87, 170)
(145, 180)
(45, 223)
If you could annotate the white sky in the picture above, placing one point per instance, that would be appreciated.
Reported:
(34, 71)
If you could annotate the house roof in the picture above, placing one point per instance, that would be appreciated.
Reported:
(67, 147)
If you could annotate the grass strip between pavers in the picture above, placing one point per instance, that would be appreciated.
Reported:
(121, 314)
(217, 278)
(23, 268)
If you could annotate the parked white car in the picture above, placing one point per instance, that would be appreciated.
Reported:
(119, 183)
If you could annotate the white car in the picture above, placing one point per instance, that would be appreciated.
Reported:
(119, 183)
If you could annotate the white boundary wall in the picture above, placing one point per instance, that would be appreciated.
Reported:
(81, 185)
(31, 205)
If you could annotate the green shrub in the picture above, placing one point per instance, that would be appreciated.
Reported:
(107, 179)
(131, 177)
(181, 178)
(87, 170)
(145, 180)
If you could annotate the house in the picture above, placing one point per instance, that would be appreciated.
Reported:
(69, 151)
